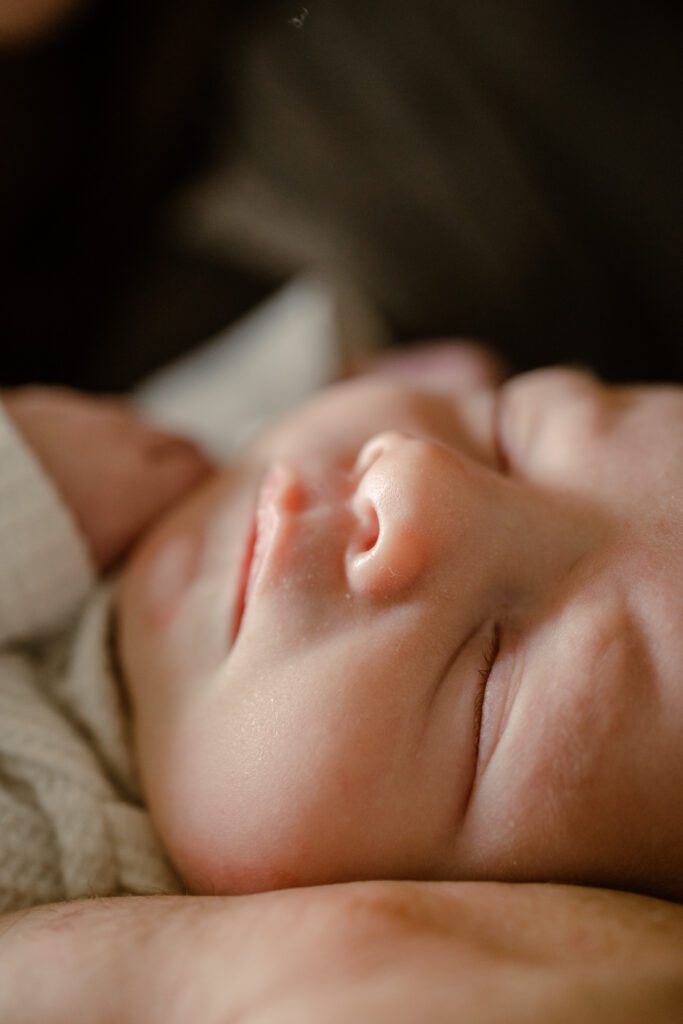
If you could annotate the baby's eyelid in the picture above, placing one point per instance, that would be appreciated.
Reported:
(490, 654)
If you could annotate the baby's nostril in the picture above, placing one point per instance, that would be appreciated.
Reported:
(369, 528)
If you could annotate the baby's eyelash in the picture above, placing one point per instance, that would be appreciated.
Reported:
(490, 654)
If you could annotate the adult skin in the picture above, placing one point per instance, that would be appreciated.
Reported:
(23, 20)
(376, 951)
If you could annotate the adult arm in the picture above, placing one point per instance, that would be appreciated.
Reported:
(378, 951)
(24, 20)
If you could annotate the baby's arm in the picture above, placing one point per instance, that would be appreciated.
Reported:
(80, 479)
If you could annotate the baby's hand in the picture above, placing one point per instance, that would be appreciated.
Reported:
(116, 472)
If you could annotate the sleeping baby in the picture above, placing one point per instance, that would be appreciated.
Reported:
(415, 631)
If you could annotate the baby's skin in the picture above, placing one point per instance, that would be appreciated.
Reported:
(116, 472)
(420, 633)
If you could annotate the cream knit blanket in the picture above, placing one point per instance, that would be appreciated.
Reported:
(71, 819)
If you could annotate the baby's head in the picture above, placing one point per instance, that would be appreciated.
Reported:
(414, 634)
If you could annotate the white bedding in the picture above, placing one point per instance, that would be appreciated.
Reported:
(307, 335)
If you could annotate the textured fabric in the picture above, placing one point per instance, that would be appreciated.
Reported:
(44, 566)
(71, 820)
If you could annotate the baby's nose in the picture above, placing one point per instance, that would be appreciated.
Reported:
(394, 539)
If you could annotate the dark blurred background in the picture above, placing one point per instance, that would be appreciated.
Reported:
(500, 169)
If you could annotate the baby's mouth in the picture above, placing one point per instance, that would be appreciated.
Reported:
(243, 579)
(279, 494)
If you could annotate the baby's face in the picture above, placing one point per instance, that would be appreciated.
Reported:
(414, 634)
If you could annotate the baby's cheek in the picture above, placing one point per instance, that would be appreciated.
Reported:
(242, 793)
(196, 830)
(166, 576)
(159, 646)
(211, 783)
